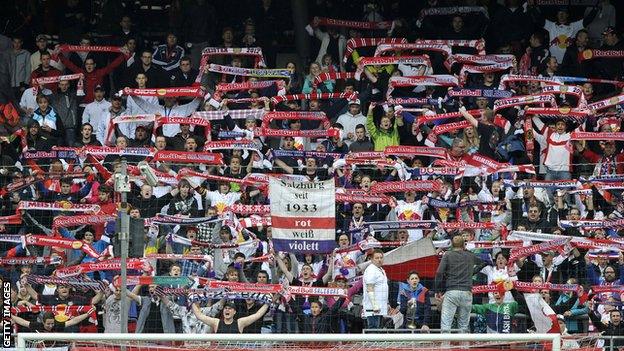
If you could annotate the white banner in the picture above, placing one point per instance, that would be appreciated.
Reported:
(303, 215)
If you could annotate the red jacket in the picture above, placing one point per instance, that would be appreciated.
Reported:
(52, 72)
(95, 78)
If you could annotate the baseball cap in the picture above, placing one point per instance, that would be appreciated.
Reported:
(230, 304)
(98, 87)
(609, 30)
(41, 37)
(355, 102)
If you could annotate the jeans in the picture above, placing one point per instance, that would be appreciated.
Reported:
(456, 302)
(374, 322)
(557, 175)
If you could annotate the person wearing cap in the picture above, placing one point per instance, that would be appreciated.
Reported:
(609, 68)
(102, 131)
(228, 324)
(350, 120)
(42, 47)
(97, 109)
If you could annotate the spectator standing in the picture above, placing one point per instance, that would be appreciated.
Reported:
(42, 48)
(65, 103)
(376, 291)
(19, 67)
(168, 55)
(454, 277)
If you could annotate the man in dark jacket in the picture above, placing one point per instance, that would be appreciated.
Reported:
(615, 327)
(65, 103)
(184, 75)
(609, 68)
(148, 204)
(571, 65)
(319, 321)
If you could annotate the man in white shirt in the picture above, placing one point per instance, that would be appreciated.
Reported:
(411, 210)
(133, 109)
(350, 119)
(375, 281)
(96, 110)
(171, 108)
(561, 33)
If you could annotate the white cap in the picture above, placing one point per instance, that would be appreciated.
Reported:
(354, 102)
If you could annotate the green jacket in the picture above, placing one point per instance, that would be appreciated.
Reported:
(381, 138)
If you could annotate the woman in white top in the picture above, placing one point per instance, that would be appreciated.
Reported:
(375, 281)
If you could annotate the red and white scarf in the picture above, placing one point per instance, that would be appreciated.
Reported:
(477, 44)
(597, 136)
(72, 221)
(496, 67)
(574, 114)
(37, 82)
(355, 43)
(234, 114)
(62, 243)
(524, 100)
(412, 185)
(606, 103)
(314, 96)
(481, 59)
(64, 206)
(422, 60)
(332, 76)
(447, 11)
(512, 78)
(164, 92)
(331, 22)
(440, 48)
(107, 265)
(188, 157)
(251, 72)
(224, 87)
(591, 54)
(411, 151)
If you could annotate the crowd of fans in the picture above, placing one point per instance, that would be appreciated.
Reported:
(529, 189)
